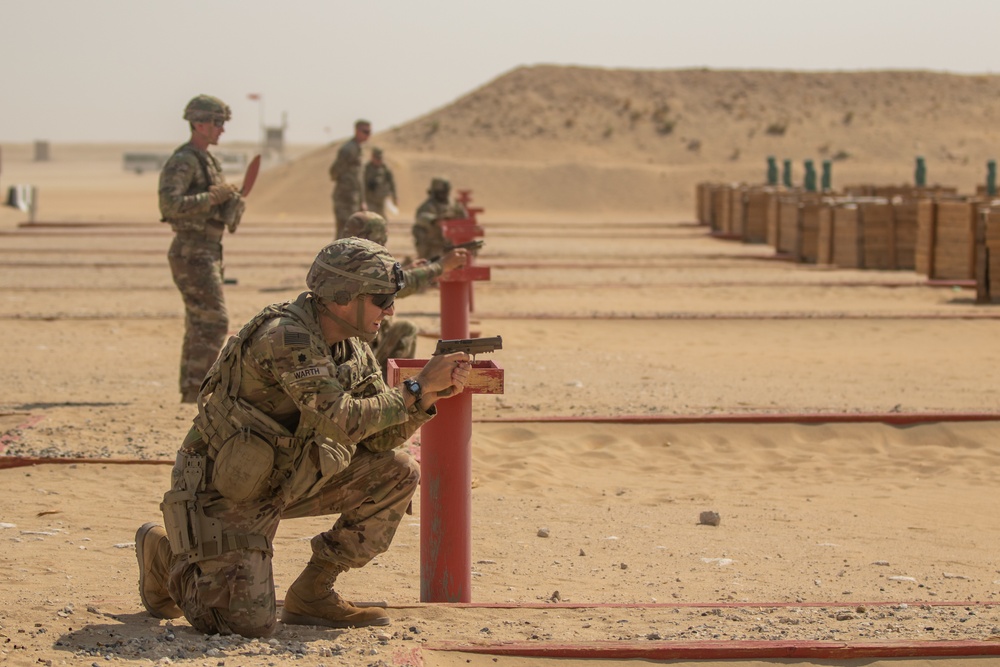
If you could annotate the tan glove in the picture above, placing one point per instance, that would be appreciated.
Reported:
(221, 192)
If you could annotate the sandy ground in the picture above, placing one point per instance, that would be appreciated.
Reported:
(844, 533)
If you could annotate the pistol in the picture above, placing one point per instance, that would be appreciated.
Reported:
(474, 246)
(471, 346)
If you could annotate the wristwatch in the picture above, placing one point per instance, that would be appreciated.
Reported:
(413, 387)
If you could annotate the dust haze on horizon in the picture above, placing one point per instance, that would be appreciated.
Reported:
(121, 71)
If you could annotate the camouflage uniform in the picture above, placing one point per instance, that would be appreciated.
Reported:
(427, 235)
(348, 193)
(379, 184)
(195, 256)
(396, 338)
(332, 425)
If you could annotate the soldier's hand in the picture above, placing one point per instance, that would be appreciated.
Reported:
(444, 375)
(221, 192)
(454, 259)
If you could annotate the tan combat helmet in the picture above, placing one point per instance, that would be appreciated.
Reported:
(367, 225)
(206, 109)
(352, 266)
(439, 184)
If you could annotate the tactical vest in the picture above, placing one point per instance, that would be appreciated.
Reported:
(251, 451)
(213, 224)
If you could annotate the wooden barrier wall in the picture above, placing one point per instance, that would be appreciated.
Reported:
(928, 230)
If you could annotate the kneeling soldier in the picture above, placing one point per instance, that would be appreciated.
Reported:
(294, 419)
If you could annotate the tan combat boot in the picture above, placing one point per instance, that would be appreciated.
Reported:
(152, 550)
(311, 600)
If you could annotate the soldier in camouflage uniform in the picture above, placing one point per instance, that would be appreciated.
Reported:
(379, 184)
(396, 338)
(345, 172)
(294, 420)
(198, 203)
(427, 235)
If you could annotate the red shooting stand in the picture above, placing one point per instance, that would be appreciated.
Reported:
(446, 442)
(462, 230)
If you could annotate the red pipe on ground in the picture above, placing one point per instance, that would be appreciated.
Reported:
(729, 650)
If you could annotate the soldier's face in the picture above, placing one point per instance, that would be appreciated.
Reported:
(374, 312)
(210, 131)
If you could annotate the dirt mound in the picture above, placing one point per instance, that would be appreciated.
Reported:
(575, 140)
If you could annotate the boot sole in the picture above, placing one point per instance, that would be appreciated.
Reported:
(288, 618)
(140, 537)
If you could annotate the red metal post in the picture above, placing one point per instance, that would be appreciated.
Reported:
(446, 477)
(446, 453)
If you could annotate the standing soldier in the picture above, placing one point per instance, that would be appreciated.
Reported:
(379, 184)
(427, 235)
(345, 172)
(199, 205)
(294, 420)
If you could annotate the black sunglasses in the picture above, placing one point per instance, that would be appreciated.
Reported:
(384, 301)
(218, 123)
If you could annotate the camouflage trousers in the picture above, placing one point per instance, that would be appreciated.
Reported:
(196, 265)
(343, 208)
(234, 593)
(396, 339)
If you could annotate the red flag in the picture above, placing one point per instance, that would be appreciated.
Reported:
(253, 96)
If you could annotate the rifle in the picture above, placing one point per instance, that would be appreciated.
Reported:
(471, 346)
(474, 246)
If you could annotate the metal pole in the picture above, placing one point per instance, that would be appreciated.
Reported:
(446, 476)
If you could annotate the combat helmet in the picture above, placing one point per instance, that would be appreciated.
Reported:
(439, 184)
(367, 225)
(206, 109)
(349, 267)
(352, 266)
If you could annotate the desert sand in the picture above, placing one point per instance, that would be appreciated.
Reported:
(632, 342)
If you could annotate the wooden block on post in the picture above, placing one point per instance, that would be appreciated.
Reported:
(486, 376)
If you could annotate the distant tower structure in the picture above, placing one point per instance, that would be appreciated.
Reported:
(41, 151)
(274, 139)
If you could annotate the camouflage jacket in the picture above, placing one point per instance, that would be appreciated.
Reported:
(184, 184)
(432, 211)
(379, 183)
(416, 279)
(329, 399)
(346, 172)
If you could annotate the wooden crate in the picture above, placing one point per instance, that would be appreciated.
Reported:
(824, 232)
(787, 228)
(910, 215)
(737, 209)
(953, 249)
(760, 209)
(703, 203)
(721, 204)
(878, 235)
(809, 220)
(988, 257)
(847, 238)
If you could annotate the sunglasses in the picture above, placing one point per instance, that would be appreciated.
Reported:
(218, 123)
(383, 301)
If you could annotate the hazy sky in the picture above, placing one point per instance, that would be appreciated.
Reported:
(122, 70)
